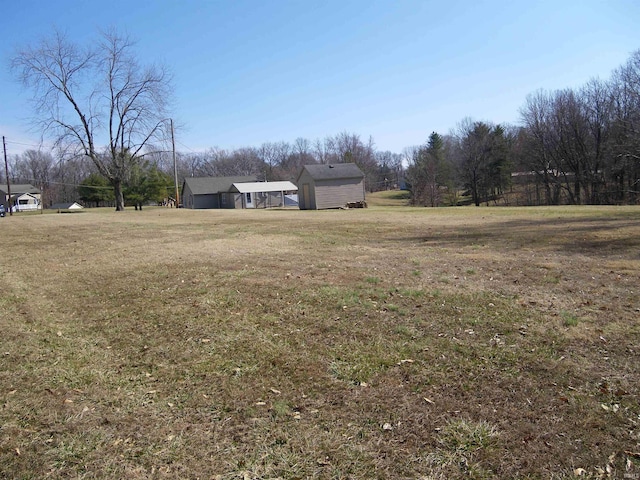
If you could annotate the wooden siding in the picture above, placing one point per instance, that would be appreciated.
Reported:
(337, 193)
(231, 200)
(226, 200)
(332, 193)
(187, 197)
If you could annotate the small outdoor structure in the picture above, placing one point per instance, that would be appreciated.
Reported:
(213, 192)
(264, 194)
(235, 192)
(338, 185)
(24, 197)
(71, 206)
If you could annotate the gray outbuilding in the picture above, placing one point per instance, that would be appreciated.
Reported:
(213, 192)
(337, 185)
(235, 192)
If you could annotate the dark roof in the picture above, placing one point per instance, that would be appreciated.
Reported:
(209, 185)
(19, 188)
(64, 206)
(333, 171)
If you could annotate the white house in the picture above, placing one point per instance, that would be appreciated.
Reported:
(24, 197)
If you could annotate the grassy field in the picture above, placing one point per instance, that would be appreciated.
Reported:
(388, 342)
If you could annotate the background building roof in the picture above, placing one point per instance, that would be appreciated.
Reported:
(66, 206)
(209, 185)
(19, 188)
(333, 171)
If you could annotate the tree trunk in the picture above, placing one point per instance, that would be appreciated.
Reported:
(117, 188)
(475, 194)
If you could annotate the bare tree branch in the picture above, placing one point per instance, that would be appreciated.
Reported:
(96, 96)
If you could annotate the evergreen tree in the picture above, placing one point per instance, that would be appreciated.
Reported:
(146, 183)
(429, 173)
(96, 189)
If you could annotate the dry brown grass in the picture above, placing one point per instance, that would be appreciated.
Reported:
(386, 342)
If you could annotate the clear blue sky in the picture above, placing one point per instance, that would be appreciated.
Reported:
(248, 72)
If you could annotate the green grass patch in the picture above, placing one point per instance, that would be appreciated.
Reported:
(569, 319)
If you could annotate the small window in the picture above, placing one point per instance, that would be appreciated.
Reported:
(248, 197)
(23, 202)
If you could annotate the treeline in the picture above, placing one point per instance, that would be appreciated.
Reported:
(283, 161)
(472, 164)
(73, 179)
(70, 180)
(584, 145)
(573, 146)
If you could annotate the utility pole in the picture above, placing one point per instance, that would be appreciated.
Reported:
(175, 165)
(6, 172)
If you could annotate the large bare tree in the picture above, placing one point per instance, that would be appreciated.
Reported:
(97, 100)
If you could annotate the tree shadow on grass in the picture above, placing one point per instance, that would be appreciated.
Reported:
(601, 236)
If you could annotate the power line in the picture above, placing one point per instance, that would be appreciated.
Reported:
(24, 144)
(9, 142)
(188, 148)
(69, 184)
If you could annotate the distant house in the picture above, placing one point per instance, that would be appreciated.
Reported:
(234, 192)
(24, 197)
(330, 186)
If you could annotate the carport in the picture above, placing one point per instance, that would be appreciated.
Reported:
(264, 194)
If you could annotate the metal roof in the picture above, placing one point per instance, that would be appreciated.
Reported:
(255, 187)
